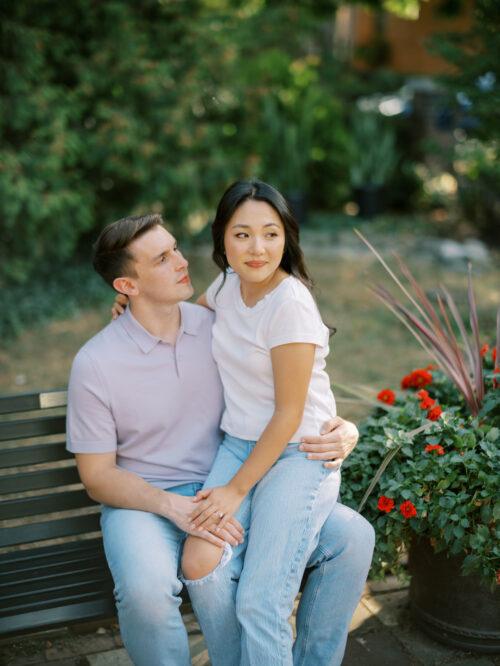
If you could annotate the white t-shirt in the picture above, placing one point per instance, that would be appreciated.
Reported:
(242, 341)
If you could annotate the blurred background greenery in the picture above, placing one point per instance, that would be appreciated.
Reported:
(383, 113)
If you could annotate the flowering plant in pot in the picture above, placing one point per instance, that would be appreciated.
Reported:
(426, 471)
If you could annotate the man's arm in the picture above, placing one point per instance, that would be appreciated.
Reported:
(108, 484)
(337, 440)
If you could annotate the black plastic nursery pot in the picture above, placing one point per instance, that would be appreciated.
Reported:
(454, 609)
(299, 205)
(370, 200)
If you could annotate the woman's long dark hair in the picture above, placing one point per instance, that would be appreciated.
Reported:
(236, 194)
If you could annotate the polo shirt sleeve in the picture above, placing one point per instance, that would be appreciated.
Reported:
(296, 320)
(90, 426)
(212, 290)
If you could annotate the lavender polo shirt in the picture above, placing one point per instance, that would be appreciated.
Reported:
(157, 405)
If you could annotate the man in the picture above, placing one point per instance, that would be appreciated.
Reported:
(144, 406)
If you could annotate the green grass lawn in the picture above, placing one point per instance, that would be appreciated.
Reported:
(370, 347)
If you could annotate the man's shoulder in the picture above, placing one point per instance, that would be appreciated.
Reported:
(98, 347)
(199, 314)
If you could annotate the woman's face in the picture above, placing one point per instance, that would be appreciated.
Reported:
(254, 241)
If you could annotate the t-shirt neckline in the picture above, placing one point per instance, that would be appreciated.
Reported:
(248, 309)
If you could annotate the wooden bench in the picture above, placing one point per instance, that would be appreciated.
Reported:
(52, 565)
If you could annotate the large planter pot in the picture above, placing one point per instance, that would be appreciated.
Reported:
(454, 609)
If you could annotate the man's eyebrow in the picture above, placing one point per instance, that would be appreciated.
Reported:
(165, 251)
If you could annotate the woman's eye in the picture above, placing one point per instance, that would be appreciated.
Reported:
(242, 235)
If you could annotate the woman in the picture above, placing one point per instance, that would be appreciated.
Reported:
(270, 346)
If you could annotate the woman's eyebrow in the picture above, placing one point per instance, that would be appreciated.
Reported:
(247, 226)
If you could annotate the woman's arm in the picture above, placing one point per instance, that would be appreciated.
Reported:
(292, 367)
(202, 300)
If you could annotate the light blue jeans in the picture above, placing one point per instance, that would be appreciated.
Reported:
(143, 552)
(284, 514)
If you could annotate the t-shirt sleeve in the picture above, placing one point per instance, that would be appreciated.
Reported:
(212, 291)
(90, 426)
(296, 321)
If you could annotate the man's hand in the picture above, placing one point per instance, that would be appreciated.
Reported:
(338, 438)
(180, 509)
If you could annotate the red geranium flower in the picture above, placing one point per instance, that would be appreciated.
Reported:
(427, 403)
(408, 509)
(385, 504)
(434, 413)
(416, 379)
(496, 383)
(494, 355)
(484, 350)
(435, 447)
(498, 577)
(387, 396)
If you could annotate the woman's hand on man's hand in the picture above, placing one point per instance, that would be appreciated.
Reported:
(215, 507)
(119, 305)
(338, 438)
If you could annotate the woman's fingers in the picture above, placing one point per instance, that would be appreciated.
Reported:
(202, 494)
(204, 516)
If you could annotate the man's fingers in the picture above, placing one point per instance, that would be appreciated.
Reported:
(333, 464)
(228, 537)
(205, 534)
(235, 533)
(320, 448)
(328, 455)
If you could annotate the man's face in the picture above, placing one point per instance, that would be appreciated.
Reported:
(162, 271)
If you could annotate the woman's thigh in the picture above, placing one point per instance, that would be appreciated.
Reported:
(289, 507)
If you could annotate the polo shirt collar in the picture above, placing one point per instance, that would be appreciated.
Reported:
(190, 324)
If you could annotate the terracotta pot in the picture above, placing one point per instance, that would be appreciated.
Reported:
(454, 609)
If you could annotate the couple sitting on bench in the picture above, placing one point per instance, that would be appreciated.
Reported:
(145, 404)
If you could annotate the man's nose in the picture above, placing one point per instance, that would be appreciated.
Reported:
(182, 262)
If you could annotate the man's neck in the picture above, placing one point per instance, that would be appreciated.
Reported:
(162, 321)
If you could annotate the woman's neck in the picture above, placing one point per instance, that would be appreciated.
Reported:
(253, 292)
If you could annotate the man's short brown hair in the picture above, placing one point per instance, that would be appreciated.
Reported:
(112, 257)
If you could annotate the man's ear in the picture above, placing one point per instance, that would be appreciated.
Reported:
(125, 285)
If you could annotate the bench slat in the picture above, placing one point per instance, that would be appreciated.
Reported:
(44, 478)
(19, 594)
(53, 529)
(36, 427)
(54, 569)
(75, 611)
(40, 504)
(32, 455)
(43, 555)
(25, 402)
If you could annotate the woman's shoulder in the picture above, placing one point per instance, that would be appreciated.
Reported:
(293, 289)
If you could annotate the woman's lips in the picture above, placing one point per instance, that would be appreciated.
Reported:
(185, 280)
(255, 264)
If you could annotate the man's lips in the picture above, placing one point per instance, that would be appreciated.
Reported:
(255, 264)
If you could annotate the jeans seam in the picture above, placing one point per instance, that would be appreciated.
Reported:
(295, 562)
(307, 620)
